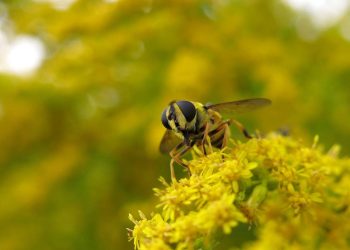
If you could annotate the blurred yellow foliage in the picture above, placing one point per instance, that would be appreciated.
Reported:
(187, 71)
(79, 137)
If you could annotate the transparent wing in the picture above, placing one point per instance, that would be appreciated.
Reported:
(240, 106)
(169, 141)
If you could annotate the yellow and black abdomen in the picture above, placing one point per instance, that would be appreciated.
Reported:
(218, 137)
(219, 131)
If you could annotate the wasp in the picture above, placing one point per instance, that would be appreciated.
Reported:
(190, 123)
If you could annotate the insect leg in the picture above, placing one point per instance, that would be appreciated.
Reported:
(226, 135)
(175, 154)
(241, 128)
(205, 134)
(172, 155)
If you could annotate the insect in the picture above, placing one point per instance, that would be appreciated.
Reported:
(190, 123)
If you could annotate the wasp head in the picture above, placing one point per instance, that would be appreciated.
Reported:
(179, 116)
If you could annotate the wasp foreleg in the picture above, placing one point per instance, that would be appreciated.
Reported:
(175, 154)
(205, 137)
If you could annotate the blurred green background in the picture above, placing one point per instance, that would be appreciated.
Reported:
(79, 135)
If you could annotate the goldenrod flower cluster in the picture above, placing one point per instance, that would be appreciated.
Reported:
(293, 196)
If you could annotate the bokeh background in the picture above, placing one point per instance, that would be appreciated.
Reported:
(83, 84)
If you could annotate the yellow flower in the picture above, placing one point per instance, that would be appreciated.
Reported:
(269, 182)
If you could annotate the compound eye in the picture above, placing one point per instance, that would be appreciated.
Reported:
(187, 109)
(165, 120)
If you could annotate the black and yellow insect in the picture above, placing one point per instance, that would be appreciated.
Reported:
(191, 123)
